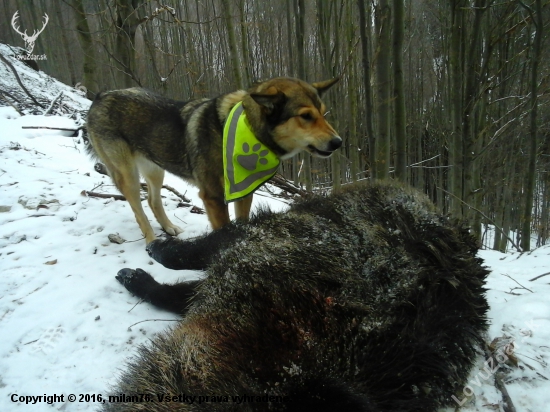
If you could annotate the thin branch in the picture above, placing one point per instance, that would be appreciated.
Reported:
(51, 128)
(11, 96)
(153, 320)
(171, 189)
(485, 216)
(2, 93)
(522, 287)
(284, 184)
(49, 109)
(539, 276)
(138, 302)
(499, 383)
(8, 63)
(423, 161)
(102, 195)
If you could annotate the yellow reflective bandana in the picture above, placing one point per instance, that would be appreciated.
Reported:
(247, 163)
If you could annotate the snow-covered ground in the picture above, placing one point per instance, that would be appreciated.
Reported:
(67, 325)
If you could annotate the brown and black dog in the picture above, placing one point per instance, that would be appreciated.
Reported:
(135, 131)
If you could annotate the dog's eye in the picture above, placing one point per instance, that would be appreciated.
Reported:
(306, 116)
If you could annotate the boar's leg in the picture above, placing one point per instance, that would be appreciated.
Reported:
(174, 298)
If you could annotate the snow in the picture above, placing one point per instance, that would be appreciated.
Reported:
(68, 326)
(64, 319)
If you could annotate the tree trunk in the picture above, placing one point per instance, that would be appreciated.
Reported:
(456, 58)
(383, 88)
(299, 12)
(233, 51)
(124, 52)
(399, 92)
(364, 23)
(533, 145)
(89, 67)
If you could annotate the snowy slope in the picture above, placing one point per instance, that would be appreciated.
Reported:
(67, 325)
(64, 319)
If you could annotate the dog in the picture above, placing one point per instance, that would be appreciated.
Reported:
(135, 131)
(365, 300)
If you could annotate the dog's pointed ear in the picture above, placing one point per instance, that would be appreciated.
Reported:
(269, 99)
(325, 85)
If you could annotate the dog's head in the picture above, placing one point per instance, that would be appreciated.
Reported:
(290, 115)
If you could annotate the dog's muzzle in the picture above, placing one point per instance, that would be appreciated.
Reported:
(334, 144)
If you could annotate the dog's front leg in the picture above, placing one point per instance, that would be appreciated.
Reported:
(216, 209)
(242, 208)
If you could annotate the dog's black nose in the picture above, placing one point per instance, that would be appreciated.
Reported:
(335, 143)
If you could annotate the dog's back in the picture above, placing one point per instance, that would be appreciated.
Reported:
(144, 121)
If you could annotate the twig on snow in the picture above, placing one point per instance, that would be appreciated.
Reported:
(49, 109)
(522, 287)
(539, 276)
(153, 320)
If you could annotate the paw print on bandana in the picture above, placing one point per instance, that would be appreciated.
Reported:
(250, 161)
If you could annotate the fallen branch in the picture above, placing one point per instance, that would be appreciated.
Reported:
(522, 287)
(171, 189)
(11, 96)
(2, 93)
(508, 405)
(197, 210)
(8, 63)
(101, 169)
(51, 128)
(49, 109)
(152, 320)
(539, 276)
(194, 209)
(102, 195)
(284, 184)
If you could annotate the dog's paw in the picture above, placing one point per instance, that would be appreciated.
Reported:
(173, 230)
(138, 282)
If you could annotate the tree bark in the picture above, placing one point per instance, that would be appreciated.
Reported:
(89, 67)
(399, 92)
(533, 144)
(364, 23)
(382, 22)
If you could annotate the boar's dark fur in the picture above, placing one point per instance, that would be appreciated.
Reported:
(365, 300)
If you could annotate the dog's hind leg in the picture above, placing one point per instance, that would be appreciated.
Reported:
(122, 168)
(242, 208)
(154, 176)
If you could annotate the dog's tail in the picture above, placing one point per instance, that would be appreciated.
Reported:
(88, 146)
(88, 143)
